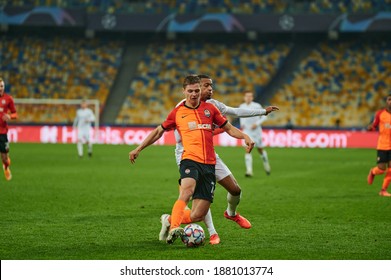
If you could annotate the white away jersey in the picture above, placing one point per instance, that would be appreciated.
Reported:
(84, 118)
(247, 123)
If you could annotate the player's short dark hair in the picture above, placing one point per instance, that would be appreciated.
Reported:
(191, 80)
(203, 76)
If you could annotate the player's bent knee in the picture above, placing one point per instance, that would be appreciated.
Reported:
(197, 217)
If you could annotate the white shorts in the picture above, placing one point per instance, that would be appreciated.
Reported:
(222, 170)
(257, 138)
(83, 134)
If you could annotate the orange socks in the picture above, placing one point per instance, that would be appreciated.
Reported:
(186, 217)
(177, 213)
(377, 171)
(386, 180)
(7, 164)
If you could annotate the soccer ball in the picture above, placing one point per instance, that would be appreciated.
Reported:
(193, 236)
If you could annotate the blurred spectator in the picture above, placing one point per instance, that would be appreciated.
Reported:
(289, 124)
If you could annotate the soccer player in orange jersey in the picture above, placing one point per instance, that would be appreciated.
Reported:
(383, 122)
(7, 112)
(194, 120)
(224, 176)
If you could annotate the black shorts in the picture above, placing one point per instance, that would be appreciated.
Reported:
(205, 176)
(383, 156)
(4, 144)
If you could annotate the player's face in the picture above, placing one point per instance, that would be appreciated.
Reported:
(388, 102)
(192, 94)
(2, 85)
(206, 89)
(248, 97)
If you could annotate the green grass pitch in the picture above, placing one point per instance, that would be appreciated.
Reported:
(316, 204)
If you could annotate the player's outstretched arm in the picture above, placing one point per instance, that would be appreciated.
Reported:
(244, 112)
(270, 109)
(236, 133)
(240, 112)
(152, 137)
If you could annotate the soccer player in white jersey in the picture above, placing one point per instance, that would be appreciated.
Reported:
(252, 126)
(83, 120)
(223, 175)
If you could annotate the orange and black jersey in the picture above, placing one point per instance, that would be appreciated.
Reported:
(383, 121)
(195, 125)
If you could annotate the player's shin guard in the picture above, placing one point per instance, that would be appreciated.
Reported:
(386, 180)
(209, 223)
(233, 202)
(177, 213)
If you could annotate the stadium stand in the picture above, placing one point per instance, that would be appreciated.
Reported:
(336, 85)
(234, 68)
(57, 67)
(351, 75)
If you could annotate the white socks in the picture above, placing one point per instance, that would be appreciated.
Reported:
(80, 149)
(90, 148)
(209, 223)
(249, 163)
(248, 159)
(233, 202)
(265, 161)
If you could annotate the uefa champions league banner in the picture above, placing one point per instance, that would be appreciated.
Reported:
(135, 135)
(188, 23)
(42, 16)
(235, 23)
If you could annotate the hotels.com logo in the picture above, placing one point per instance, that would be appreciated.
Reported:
(135, 135)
